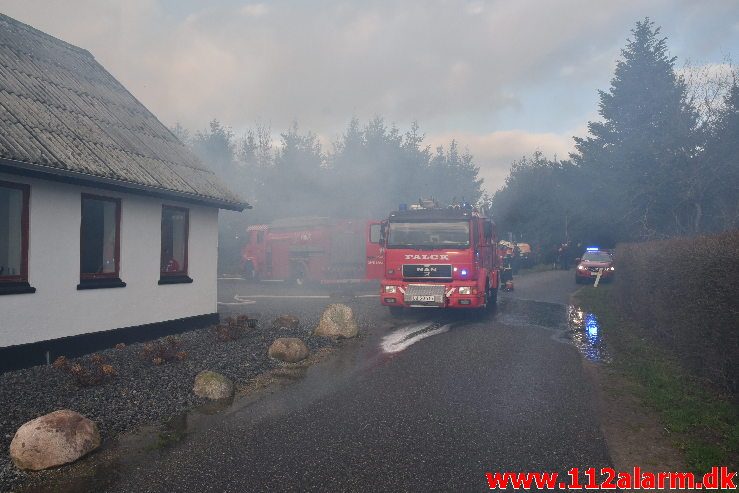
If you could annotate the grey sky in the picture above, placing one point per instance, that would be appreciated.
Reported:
(503, 77)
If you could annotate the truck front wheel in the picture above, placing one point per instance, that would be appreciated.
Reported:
(249, 272)
(492, 298)
(297, 273)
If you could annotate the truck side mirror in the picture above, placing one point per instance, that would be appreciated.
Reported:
(383, 233)
(375, 233)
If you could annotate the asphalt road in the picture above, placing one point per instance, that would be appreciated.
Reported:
(549, 286)
(429, 402)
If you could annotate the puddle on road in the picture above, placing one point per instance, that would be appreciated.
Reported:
(540, 314)
(570, 324)
(585, 332)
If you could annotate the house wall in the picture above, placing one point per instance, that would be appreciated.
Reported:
(57, 309)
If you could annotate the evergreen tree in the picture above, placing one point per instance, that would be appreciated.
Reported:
(247, 149)
(538, 204)
(215, 147)
(454, 176)
(374, 168)
(296, 183)
(634, 160)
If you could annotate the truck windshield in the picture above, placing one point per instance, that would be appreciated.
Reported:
(429, 235)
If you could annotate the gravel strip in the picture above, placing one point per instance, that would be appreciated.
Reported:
(142, 392)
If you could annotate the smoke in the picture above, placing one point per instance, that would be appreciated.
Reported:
(370, 169)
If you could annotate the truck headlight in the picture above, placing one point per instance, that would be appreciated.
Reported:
(580, 267)
(390, 289)
(611, 268)
(465, 290)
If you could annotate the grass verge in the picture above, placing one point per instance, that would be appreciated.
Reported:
(703, 423)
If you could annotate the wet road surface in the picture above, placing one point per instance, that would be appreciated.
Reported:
(428, 402)
(553, 286)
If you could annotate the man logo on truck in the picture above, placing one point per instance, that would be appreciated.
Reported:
(426, 270)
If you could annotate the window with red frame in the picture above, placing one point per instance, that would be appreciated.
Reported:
(13, 232)
(175, 231)
(100, 238)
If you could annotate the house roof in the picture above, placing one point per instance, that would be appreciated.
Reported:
(63, 116)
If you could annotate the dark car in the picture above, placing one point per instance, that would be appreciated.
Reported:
(595, 261)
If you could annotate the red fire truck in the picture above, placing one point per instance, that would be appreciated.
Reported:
(439, 258)
(313, 249)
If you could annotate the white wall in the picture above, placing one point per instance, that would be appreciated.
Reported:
(58, 309)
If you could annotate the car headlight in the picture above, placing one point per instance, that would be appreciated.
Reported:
(390, 289)
(580, 267)
(465, 290)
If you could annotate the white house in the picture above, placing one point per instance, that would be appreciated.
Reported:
(108, 224)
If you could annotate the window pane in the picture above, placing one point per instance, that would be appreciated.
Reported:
(174, 239)
(11, 231)
(98, 236)
(375, 230)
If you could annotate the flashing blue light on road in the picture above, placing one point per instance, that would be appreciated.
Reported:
(592, 249)
(591, 325)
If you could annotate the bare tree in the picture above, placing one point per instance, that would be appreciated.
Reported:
(708, 86)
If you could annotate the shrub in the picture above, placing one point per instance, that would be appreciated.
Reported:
(164, 351)
(233, 328)
(88, 373)
(684, 292)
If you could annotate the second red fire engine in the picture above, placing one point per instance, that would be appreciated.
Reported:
(313, 250)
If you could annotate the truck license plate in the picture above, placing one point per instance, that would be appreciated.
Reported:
(423, 298)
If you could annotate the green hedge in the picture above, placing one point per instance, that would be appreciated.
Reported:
(684, 292)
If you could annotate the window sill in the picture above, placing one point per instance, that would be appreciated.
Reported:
(182, 279)
(16, 288)
(102, 283)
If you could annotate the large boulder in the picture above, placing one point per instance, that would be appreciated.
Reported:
(288, 349)
(54, 439)
(337, 320)
(286, 321)
(212, 385)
